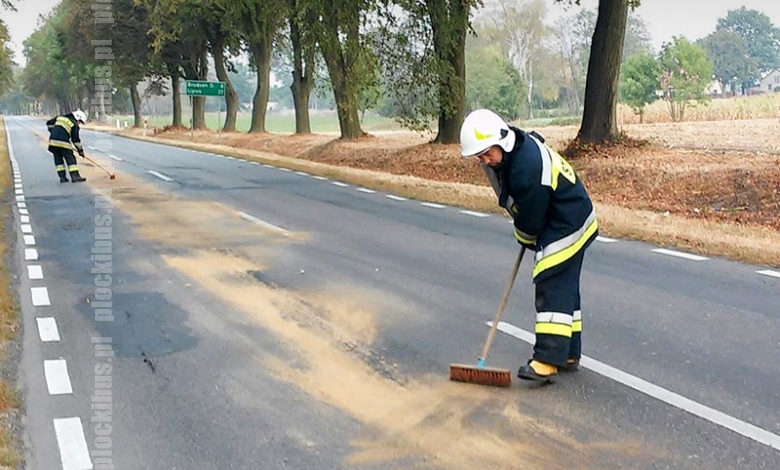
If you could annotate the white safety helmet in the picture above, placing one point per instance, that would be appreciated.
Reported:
(483, 129)
(80, 116)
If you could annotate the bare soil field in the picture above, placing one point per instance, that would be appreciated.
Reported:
(713, 187)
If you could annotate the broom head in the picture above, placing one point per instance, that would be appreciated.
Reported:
(480, 375)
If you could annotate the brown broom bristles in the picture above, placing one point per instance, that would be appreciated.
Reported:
(480, 375)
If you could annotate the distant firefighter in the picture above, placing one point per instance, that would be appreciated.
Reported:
(63, 136)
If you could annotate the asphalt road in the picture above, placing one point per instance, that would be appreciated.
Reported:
(255, 317)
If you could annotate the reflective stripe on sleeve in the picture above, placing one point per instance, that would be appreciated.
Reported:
(524, 237)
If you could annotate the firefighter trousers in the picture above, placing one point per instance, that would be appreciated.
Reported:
(559, 315)
(62, 157)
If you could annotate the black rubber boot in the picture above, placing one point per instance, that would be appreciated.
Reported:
(75, 177)
(572, 365)
(63, 176)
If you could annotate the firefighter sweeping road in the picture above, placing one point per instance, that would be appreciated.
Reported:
(203, 312)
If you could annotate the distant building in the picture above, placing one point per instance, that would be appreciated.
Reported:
(767, 84)
(715, 88)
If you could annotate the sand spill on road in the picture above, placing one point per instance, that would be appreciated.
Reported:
(420, 422)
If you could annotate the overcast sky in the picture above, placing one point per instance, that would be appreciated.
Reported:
(692, 19)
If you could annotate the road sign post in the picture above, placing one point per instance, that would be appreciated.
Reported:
(193, 88)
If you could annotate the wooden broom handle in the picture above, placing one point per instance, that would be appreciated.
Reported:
(502, 304)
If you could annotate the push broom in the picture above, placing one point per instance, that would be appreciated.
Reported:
(110, 174)
(480, 374)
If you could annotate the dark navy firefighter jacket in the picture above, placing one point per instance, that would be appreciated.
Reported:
(551, 209)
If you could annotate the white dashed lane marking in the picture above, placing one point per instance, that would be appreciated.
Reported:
(475, 214)
(395, 198)
(340, 184)
(114, 157)
(159, 175)
(679, 254)
(29, 240)
(34, 272)
(25, 219)
(667, 396)
(433, 205)
(26, 228)
(366, 190)
(605, 239)
(74, 453)
(24, 211)
(57, 378)
(47, 329)
(263, 223)
(40, 296)
(767, 272)
(30, 254)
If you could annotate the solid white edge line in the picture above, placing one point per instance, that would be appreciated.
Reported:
(770, 273)
(29, 240)
(667, 396)
(34, 272)
(605, 239)
(74, 453)
(475, 214)
(432, 204)
(30, 254)
(57, 378)
(263, 223)
(159, 175)
(47, 329)
(395, 198)
(679, 254)
(40, 296)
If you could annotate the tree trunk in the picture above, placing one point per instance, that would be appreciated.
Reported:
(199, 102)
(231, 97)
(303, 58)
(599, 118)
(135, 98)
(449, 42)
(175, 81)
(339, 59)
(261, 53)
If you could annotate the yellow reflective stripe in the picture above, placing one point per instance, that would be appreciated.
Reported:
(65, 123)
(61, 144)
(556, 329)
(554, 259)
(524, 238)
(60, 167)
(481, 136)
(576, 326)
(73, 168)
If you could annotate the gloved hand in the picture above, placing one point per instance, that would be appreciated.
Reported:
(82, 154)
